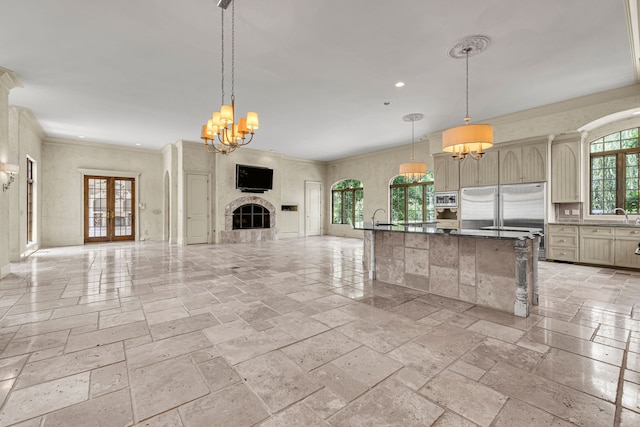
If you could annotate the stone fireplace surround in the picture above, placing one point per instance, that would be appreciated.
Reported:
(229, 235)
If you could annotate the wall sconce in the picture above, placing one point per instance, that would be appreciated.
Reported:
(12, 170)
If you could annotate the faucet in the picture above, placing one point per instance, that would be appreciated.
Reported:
(626, 216)
(373, 217)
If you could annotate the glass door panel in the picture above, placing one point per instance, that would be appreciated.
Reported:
(109, 213)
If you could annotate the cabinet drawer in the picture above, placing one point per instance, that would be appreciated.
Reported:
(562, 254)
(628, 232)
(562, 229)
(595, 231)
(563, 240)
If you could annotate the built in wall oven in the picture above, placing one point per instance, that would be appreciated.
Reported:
(448, 199)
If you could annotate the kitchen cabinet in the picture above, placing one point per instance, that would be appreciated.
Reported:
(597, 245)
(565, 171)
(626, 242)
(446, 173)
(562, 242)
(483, 171)
(523, 163)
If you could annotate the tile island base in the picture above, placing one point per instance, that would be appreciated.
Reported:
(498, 272)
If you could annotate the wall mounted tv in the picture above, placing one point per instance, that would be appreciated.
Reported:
(253, 179)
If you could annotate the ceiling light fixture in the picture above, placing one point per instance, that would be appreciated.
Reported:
(399, 84)
(469, 138)
(413, 171)
(222, 134)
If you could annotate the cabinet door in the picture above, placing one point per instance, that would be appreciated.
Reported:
(565, 172)
(452, 183)
(468, 172)
(487, 169)
(439, 173)
(534, 162)
(510, 165)
(625, 253)
(596, 250)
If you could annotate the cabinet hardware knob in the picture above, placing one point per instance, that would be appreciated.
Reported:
(563, 240)
(563, 253)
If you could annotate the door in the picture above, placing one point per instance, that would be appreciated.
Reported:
(197, 208)
(313, 208)
(108, 209)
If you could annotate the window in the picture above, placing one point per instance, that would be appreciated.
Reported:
(412, 202)
(614, 163)
(30, 205)
(347, 200)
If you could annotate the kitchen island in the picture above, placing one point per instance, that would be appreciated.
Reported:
(492, 268)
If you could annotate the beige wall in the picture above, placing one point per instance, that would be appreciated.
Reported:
(161, 174)
(65, 163)
(26, 133)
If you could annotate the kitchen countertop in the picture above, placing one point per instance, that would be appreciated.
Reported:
(430, 228)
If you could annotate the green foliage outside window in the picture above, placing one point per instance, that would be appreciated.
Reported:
(412, 202)
(347, 202)
(615, 161)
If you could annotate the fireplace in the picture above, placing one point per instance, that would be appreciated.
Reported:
(249, 219)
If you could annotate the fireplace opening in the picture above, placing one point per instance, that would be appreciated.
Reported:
(251, 216)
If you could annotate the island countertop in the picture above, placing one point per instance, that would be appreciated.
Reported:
(430, 228)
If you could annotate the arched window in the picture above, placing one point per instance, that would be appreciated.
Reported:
(412, 201)
(347, 199)
(614, 161)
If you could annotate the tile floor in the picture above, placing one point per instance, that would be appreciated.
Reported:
(292, 333)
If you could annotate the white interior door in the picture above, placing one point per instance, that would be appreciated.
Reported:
(197, 208)
(313, 208)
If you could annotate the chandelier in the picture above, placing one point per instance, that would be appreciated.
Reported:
(413, 171)
(221, 133)
(469, 138)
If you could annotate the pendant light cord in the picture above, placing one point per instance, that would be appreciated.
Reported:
(467, 118)
(233, 49)
(413, 125)
(222, 50)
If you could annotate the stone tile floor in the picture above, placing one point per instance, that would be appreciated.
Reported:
(292, 333)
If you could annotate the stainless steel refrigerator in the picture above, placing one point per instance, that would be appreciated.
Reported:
(505, 207)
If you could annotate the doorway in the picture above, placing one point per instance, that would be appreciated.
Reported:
(108, 209)
(313, 208)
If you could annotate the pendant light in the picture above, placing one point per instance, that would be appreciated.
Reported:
(468, 139)
(222, 134)
(413, 171)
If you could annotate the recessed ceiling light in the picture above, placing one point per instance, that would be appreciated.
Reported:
(138, 144)
(399, 84)
(80, 136)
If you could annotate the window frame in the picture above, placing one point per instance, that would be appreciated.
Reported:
(425, 198)
(353, 192)
(620, 171)
(30, 202)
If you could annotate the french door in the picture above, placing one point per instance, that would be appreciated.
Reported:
(108, 209)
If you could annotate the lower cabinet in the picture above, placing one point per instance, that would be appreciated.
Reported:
(597, 245)
(626, 242)
(593, 244)
(562, 242)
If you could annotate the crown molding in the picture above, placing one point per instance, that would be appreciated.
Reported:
(98, 145)
(632, 11)
(26, 114)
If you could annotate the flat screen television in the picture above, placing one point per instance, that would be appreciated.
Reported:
(253, 179)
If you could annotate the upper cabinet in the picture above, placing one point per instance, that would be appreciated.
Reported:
(523, 163)
(445, 173)
(483, 171)
(565, 171)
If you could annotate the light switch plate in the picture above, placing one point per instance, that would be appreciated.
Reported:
(566, 211)
(575, 212)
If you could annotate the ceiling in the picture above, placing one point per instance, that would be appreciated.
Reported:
(319, 73)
